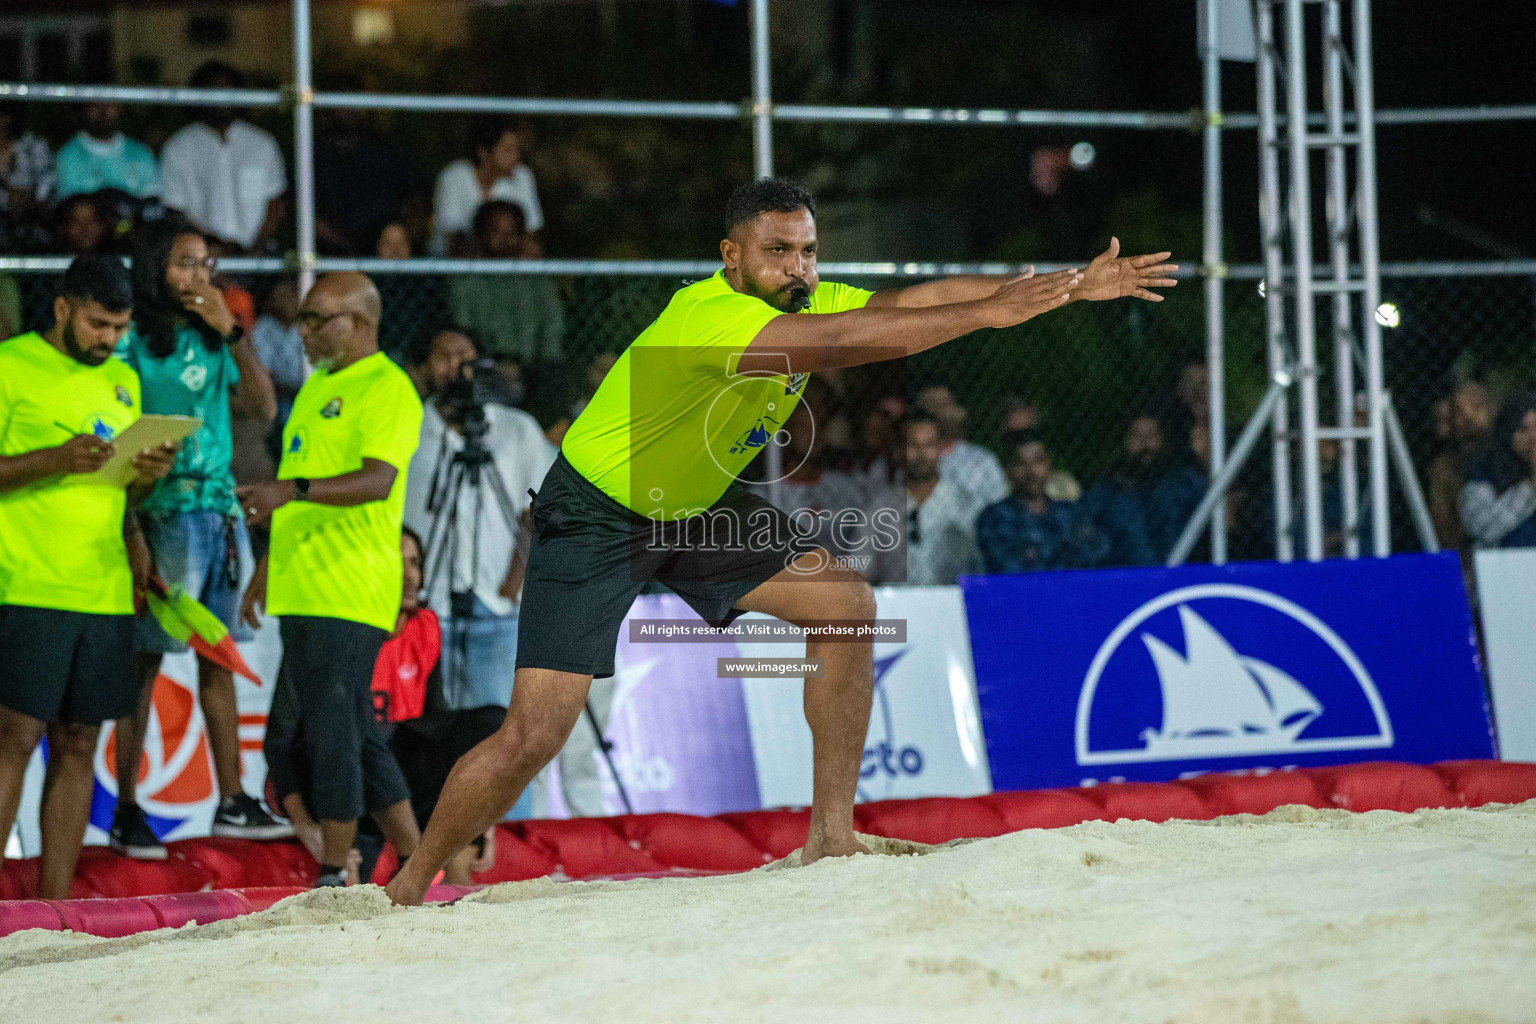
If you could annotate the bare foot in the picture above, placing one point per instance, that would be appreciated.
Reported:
(818, 846)
(403, 891)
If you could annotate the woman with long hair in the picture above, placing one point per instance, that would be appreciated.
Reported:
(1498, 501)
(193, 359)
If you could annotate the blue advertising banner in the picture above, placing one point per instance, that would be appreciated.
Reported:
(1151, 674)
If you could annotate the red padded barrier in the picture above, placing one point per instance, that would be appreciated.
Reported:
(1382, 786)
(1148, 801)
(19, 915)
(177, 908)
(779, 832)
(585, 846)
(1488, 782)
(936, 819)
(262, 897)
(686, 841)
(105, 874)
(110, 918)
(1243, 793)
(516, 860)
(1043, 808)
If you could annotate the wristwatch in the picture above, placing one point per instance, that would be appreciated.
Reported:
(300, 488)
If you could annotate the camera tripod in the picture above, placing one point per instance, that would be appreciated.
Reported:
(472, 470)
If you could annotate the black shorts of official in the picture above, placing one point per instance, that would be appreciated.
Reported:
(58, 666)
(591, 557)
(322, 741)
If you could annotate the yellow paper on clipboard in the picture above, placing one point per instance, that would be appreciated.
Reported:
(145, 432)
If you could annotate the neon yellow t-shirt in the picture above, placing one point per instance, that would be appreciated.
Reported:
(334, 561)
(673, 423)
(61, 538)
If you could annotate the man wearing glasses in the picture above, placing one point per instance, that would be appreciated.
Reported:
(333, 572)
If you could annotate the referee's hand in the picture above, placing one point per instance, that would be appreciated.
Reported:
(83, 453)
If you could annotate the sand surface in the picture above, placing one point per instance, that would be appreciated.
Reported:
(1298, 916)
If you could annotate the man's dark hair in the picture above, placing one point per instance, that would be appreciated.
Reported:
(1016, 439)
(486, 130)
(491, 207)
(419, 349)
(914, 418)
(421, 549)
(214, 72)
(98, 277)
(767, 195)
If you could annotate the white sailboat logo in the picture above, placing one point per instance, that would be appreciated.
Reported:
(1218, 702)
(1213, 697)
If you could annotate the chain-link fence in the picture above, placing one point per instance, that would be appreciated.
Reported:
(1116, 391)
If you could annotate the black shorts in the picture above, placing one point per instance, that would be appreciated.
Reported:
(591, 557)
(58, 666)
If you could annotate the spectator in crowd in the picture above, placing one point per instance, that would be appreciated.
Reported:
(79, 226)
(101, 156)
(1192, 404)
(1028, 531)
(1024, 414)
(26, 181)
(514, 315)
(394, 242)
(224, 174)
(363, 179)
(1469, 411)
(73, 561)
(941, 518)
(878, 458)
(494, 170)
(332, 574)
(279, 346)
(972, 468)
(1120, 506)
(477, 600)
(1498, 501)
(192, 359)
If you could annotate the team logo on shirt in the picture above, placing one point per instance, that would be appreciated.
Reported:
(194, 376)
(332, 409)
(296, 443)
(795, 384)
(124, 397)
(102, 429)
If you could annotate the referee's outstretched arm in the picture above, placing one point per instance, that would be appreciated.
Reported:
(831, 340)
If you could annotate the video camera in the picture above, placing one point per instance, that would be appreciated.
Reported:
(464, 398)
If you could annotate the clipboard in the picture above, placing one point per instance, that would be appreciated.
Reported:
(145, 432)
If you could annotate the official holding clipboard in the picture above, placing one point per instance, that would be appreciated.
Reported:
(69, 554)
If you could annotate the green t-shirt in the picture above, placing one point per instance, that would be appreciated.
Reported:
(333, 561)
(191, 381)
(673, 424)
(61, 538)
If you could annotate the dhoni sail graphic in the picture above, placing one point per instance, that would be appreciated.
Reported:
(1214, 697)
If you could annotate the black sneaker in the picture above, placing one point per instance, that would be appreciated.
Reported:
(242, 817)
(131, 835)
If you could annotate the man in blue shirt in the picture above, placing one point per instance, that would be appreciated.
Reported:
(1027, 531)
(101, 157)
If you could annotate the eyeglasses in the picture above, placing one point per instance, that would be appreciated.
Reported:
(317, 322)
(193, 263)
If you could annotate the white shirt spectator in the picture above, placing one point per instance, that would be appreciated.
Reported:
(975, 470)
(28, 165)
(941, 536)
(223, 185)
(459, 196)
(521, 454)
(820, 503)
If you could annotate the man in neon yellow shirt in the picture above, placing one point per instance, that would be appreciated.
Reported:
(645, 489)
(333, 572)
(67, 587)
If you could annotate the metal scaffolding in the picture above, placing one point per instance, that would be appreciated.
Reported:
(1356, 348)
